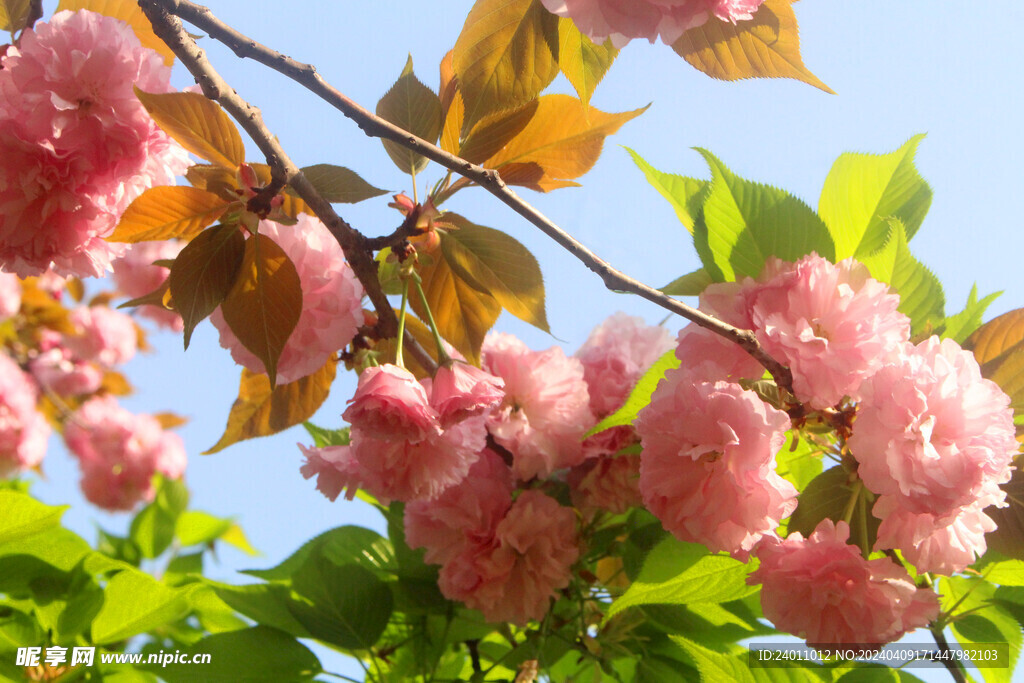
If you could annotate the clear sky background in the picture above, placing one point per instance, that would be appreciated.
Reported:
(948, 69)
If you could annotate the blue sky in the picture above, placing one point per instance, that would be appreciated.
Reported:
(900, 68)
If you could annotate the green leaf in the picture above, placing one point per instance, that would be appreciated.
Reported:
(327, 437)
(691, 284)
(414, 107)
(14, 15)
(710, 578)
(744, 223)
(264, 603)
(256, 654)
(921, 296)
(195, 527)
(152, 530)
(716, 667)
(350, 606)
(204, 273)
(134, 603)
(982, 621)
(340, 185)
(1005, 572)
(583, 62)
(863, 190)
(499, 264)
(1008, 538)
(801, 464)
(22, 516)
(960, 326)
(640, 396)
(686, 195)
(506, 54)
(342, 545)
(828, 496)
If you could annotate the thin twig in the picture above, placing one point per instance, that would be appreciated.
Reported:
(169, 29)
(374, 126)
(952, 665)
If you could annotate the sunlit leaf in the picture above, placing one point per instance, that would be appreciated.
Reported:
(349, 607)
(264, 305)
(221, 181)
(494, 131)
(828, 496)
(500, 263)
(506, 54)
(863, 190)
(414, 107)
(340, 185)
(14, 14)
(1008, 538)
(767, 46)
(24, 516)
(168, 212)
(691, 284)
(199, 124)
(716, 666)
(129, 12)
(562, 141)
(235, 536)
(195, 527)
(582, 61)
(961, 325)
(261, 411)
(135, 602)
(640, 396)
(686, 195)
(204, 273)
(451, 132)
(463, 313)
(342, 545)
(743, 223)
(997, 336)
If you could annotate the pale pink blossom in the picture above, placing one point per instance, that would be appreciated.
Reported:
(822, 590)
(56, 368)
(331, 301)
(609, 483)
(707, 470)
(514, 576)
(391, 404)
(940, 544)
(335, 468)
(623, 20)
(546, 410)
(119, 452)
(932, 433)
(10, 295)
(136, 275)
(464, 515)
(710, 357)
(459, 391)
(103, 335)
(76, 145)
(23, 430)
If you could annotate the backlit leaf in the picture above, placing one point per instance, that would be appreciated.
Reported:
(135, 602)
(960, 326)
(686, 195)
(414, 107)
(198, 124)
(235, 536)
(261, 411)
(640, 396)
(582, 61)
(205, 272)
(828, 496)
(129, 12)
(25, 516)
(561, 142)
(463, 313)
(495, 131)
(505, 56)
(168, 212)
(500, 263)
(350, 606)
(14, 14)
(264, 305)
(291, 204)
(997, 336)
(767, 46)
(340, 185)
(715, 667)
(863, 190)
(195, 527)
(1008, 538)
(743, 223)
(691, 284)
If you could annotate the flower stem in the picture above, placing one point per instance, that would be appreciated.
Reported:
(399, 361)
(954, 666)
(442, 355)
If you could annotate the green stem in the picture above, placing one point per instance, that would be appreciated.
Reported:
(442, 355)
(399, 361)
(954, 666)
(852, 504)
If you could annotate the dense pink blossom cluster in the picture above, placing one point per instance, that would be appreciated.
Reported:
(136, 275)
(119, 452)
(76, 145)
(23, 430)
(10, 295)
(623, 20)
(331, 301)
(103, 335)
(55, 367)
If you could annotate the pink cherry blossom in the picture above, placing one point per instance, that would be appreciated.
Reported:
(709, 357)
(707, 467)
(459, 391)
(23, 430)
(546, 409)
(623, 20)
(10, 295)
(103, 335)
(940, 544)
(514, 576)
(119, 452)
(335, 468)
(58, 369)
(331, 301)
(464, 515)
(822, 590)
(932, 433)
(136, 276)
(391, 404)
(609, 483)
(76, 145)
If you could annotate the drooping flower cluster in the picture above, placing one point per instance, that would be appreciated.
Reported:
(23, 430)
(76, 145)
(623, 20)
(331, 296)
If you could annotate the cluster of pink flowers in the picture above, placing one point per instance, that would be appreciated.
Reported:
(119, 452)
(136, 275)
(76, 145)
(331, 301)
(23, 429)
(623, 20)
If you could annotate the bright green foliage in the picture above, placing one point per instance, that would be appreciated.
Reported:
(979, 618)
(691, 284)
(25, 516)
(716, 667)
(686, 195)
(959, 326)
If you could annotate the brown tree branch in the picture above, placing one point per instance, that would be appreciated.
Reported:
(169, 29)
(374, 126)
